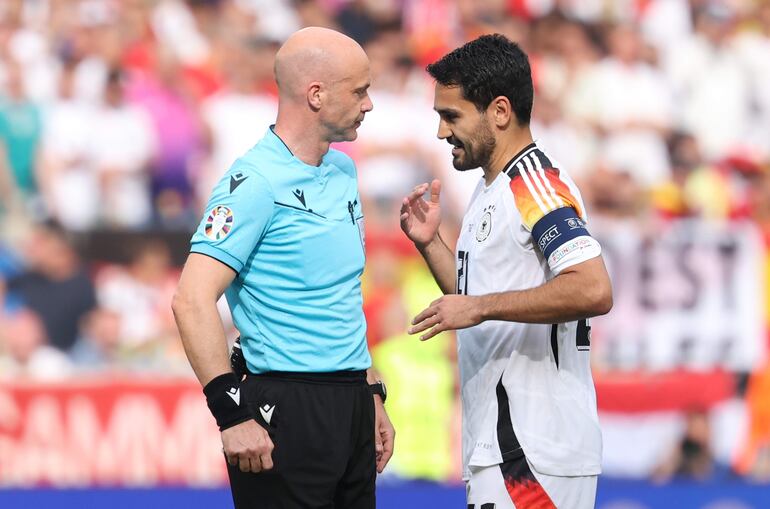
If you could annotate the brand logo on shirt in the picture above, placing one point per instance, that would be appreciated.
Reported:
(219, 223)
(236, 180)
(267, 412)
(300, 195)
(547, 237)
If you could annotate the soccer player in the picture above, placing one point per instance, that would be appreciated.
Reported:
(525, 278)
(282, 237)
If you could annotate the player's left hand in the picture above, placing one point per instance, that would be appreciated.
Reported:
(384, 435)
(450, 312)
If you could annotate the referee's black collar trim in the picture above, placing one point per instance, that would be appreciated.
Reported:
(515, 159)
(272, 129)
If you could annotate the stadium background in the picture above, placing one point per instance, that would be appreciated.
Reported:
(116, 118)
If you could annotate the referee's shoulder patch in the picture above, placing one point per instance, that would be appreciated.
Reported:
(219, 222)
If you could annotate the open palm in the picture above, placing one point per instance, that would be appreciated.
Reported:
(420, 219)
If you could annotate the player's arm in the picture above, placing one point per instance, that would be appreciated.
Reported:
(580, 289)
(420, 220)
(441, 263)
(578, 292)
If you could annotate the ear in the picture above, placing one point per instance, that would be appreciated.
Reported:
(500, 111)
(315, 95)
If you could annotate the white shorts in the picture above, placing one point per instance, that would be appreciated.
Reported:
(515, 485)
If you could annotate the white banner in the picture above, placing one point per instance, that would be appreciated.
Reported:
(688, 294)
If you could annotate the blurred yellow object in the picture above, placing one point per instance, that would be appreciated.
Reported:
(420, 379)
(668, 198)
(707, 193)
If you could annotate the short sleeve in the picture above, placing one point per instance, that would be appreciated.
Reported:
(236, 217)
(553, 214)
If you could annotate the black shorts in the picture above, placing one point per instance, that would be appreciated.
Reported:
(322, 426)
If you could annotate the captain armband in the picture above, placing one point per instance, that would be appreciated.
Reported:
(562, 237)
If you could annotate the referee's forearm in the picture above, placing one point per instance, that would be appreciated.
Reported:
(203, 337)
(441, 263)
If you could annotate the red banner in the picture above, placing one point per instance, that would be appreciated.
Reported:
(125, 433)
(145, 433)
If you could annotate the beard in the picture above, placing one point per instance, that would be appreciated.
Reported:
(477, 150)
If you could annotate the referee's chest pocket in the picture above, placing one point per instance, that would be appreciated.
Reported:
(333, 251)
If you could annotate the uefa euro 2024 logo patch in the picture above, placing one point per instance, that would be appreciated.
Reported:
(219, 223)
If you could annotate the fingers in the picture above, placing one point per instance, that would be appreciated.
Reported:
(248, 446)
(435, 190)
(378, 448)
(425, 324)
(435, 330)
(425, 313)
(417, 193)
(388, 437)
(266, 460)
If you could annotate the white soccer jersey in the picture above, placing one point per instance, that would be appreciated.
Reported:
(527, 384)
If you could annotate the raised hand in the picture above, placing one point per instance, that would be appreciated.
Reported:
(420, 219)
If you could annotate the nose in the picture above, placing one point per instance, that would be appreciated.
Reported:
(368, 105)
(443, 131)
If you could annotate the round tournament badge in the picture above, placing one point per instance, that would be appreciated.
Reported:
(219, 223)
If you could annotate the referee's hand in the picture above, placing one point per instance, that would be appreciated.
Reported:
(249, 446)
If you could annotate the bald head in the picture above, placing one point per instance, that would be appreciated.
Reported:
(315, 55)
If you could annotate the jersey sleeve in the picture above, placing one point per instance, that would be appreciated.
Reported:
(236, 217)
(553, 214)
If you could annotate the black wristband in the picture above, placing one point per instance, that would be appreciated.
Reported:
(223, 396)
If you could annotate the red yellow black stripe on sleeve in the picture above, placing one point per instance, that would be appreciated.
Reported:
(538, 189)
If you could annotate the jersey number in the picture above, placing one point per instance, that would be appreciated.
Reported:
(583, 336)
(462, 272)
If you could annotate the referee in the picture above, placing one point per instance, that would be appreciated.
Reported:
(282, 238)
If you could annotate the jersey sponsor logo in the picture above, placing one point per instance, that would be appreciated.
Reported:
(547, 237)
(485, 227)
(235, 394)
(267, 412)
(300, 195)
(219, 223)
(236, 180)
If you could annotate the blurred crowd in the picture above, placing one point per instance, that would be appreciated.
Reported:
(120, 115)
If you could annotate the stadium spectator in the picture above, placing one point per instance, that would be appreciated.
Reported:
(121, 150)
(98, 347)
(691, 456)
(20, 130)
(140, 294)
(55, 284)
(69, 183)
(24, 352)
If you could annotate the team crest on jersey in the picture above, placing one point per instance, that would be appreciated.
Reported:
(485, 225)
(219, 223)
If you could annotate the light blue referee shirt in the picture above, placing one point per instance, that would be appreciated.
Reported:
(293, 233)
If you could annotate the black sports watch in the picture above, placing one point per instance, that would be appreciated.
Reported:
(378, 387)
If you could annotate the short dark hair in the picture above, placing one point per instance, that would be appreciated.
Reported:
(489, 67)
